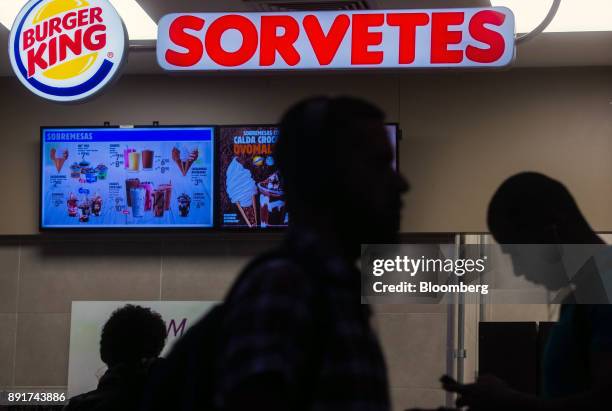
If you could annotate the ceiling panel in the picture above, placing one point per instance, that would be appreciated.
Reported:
(430, 4)
(158, 8)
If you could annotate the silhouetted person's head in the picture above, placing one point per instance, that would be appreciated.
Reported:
(132, 334)
(335, 159)
(530, 208)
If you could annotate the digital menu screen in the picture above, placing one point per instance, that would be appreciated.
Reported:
(127, 178)
(251, 193)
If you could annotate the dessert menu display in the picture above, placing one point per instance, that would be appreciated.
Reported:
(250, 191)
(127, 178)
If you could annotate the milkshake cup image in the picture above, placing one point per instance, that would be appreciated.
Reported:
(96, 206)
(129, 185)
(138, 195)
(168, 189)
(159, 202)
(102, 171)
(134, 164)
(85, 212)
(241, 189)
(148, 186)
(147, 159)
(73, 205)
(184, 202)
(59, 157)
(126, 157)
(272, 202)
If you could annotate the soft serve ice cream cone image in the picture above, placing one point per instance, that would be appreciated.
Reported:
(242, 190)
(184, 158)
(59, 157)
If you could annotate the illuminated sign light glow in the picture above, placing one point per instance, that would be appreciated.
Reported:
(573, 15)
(139, 24)
(478, 37)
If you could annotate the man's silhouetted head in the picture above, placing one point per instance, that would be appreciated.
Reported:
(132, 334)
(335, 159)
(531, 208)
(531, 216)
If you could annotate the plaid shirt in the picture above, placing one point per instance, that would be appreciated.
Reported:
(273, 326)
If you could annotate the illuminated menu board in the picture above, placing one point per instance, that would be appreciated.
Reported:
(127, 178)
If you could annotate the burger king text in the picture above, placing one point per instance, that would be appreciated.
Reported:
(48, 42)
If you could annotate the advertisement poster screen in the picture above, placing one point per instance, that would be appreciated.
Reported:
(127, 178)
(251, 192)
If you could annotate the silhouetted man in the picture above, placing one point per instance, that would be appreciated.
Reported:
(132, 340)
(296, 336)
(532, 209)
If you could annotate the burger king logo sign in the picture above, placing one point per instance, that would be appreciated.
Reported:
(67, 50)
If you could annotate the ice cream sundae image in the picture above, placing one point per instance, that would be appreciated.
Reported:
(59, 157)
(85, 208)
(184, 158)
(184, 203)
(241, 189)
(272, 202)
(73, 205)
(96, 206)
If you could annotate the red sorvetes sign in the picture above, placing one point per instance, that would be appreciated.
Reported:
(441, 38)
